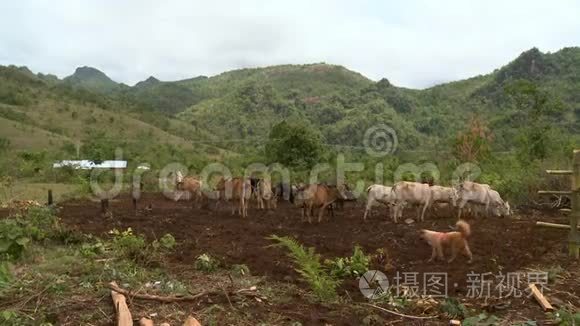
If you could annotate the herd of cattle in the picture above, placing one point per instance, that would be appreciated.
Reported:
(479, 199)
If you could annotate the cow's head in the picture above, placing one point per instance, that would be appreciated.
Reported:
(345, 193)
(508, 209)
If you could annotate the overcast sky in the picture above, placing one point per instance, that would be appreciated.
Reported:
(414, 43)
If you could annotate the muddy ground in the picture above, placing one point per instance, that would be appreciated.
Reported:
(498, 244)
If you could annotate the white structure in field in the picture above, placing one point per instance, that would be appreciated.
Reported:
(89, 165)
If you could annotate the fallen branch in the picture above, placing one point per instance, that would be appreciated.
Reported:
(399, 314)
(554, 225)
(168, 299)
(123, 314)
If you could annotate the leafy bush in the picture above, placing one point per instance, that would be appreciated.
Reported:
(91, 250)
(42, 222)
(453, 309)
(309, 267)
(14, 237)
(353, 266)
(565, 317)
(241, 270)
(5, 275)
(206, 263)
(166, 243)
(128, 244)
(481, 320)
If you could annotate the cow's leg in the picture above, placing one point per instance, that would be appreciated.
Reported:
(460, 205)
(368, 209)
(321, 211)
(244, 207)
(424, 210)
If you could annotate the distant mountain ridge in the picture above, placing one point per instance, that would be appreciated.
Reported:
(339, 103)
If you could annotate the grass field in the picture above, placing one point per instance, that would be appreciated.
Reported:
(37, 191)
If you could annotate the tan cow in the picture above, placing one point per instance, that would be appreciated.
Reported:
(264, 194)
(413, 193)
(319, 196)
(188, 184)
(235, 190)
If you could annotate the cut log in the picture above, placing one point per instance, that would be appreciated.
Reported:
(454, 322)
(190, 321)
(554, 225)
(145, 322)
(165, 324)
(123, 314)
(540, 298)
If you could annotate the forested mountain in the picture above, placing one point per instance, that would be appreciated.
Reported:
(337, 103)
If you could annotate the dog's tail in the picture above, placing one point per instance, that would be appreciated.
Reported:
(463, 228)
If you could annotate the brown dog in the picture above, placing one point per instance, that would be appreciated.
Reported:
(456, 240)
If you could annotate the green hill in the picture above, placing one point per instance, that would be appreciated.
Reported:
(244, 104)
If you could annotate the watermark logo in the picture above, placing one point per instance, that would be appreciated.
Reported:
(373, 284)
(380, 141)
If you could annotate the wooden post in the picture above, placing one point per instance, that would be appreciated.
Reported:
(574, 239)
(105, 211)
(50, 201)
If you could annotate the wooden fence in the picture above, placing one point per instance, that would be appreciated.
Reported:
(574, 193)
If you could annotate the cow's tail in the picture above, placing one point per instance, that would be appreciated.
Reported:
(463, 228)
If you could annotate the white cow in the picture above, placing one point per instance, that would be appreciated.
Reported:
(479, 195)
(443, 195)
(379, 194)
(474, 193)
(411, 193)
(499, 207)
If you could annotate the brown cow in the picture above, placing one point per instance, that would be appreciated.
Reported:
(319, 196)
(236, 189)
(190, 185)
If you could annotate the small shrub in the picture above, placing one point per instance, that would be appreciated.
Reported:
(128, 244)
(565, 317)
(353, 266)
(453, 309)
(43, 221)
(241, 270)
(310, 268)
(206, 263)
(166, 243)
(91, 250)
(13, 238)
(481, 320)
(5, 275)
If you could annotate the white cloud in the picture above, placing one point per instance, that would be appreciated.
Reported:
(413, 44)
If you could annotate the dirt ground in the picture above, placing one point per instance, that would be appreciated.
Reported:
(498, 244)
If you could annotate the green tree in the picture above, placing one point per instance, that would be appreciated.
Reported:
(534, 109)
(294, 145)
